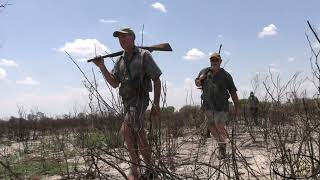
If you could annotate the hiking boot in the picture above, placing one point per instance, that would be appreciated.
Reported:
(208, 134)
(149, 175)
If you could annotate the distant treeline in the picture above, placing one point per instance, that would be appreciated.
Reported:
(37, 124)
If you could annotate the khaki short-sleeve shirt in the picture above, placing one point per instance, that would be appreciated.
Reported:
(135, 75)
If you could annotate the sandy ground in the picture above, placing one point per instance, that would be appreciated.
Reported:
(193, 152)
(194, 157)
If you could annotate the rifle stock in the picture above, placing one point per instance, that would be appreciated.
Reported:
(157, 47)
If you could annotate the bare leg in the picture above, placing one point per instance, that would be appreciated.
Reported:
(214, 131)
(130, 142)
(222, 132)
(145, 150)
(222, 139)
(144, 147)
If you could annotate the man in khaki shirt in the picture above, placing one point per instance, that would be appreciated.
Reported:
(134, 71)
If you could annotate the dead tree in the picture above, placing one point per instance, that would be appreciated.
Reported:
(4, 4)
(314, 63)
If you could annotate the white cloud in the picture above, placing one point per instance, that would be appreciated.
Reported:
(270, 30)
(84, 48)
(291, 59)
(220, 36)
(273, 65)
(28, 81)
(159, 7)
(274, 68)
(109, 21)
(9, 63)
(3, 74)
(194, 54)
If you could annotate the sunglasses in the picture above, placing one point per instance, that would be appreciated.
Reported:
(214, 60)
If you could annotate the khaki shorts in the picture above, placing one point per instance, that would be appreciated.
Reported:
(214, 117)
(134, 114)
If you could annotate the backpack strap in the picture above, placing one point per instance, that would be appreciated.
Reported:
(127, 65)
(142, 64)
(141, 73)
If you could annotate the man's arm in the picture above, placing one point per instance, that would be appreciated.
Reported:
(109, 76)
(236, 103)
(201, 76)
(153, 72)
(157, 91)
(155, 109)
(198, 81)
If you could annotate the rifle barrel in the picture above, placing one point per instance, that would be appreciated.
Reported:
(158, 47)
(108, 55)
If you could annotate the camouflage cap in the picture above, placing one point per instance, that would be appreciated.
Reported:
(215, 56)
(124, 31)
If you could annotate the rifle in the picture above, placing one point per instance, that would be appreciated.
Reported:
(157, 47)
(220, 48)
(210, 69)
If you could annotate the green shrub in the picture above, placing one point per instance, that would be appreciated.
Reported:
(101, 138)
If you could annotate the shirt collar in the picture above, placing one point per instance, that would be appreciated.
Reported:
(135, 51)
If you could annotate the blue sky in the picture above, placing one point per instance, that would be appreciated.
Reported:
(36, 74)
